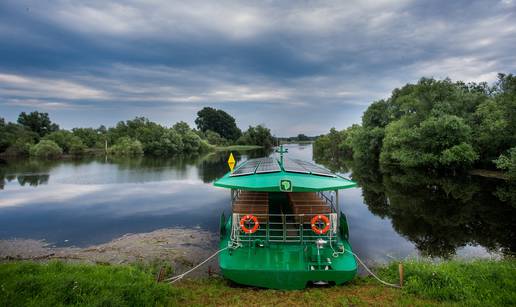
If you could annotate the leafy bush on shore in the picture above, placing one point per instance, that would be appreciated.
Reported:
(46, 149)
(127, 147)
(507, 162)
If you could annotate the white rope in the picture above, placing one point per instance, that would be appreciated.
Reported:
(178, 277)
(371, 272)
(336, 254)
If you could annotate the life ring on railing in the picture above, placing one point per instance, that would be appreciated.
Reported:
(249, 218)
(315, 220)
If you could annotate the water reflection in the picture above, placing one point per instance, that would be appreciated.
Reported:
(91, 201)
(439, 214)
(395, 212)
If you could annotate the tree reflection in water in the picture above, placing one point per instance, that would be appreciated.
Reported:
(438, 213)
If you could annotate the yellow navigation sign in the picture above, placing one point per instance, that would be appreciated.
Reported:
(231, 162)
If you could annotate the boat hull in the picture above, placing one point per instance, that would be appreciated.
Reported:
(286, 266)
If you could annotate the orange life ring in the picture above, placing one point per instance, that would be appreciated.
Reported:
(322, 218)
(246, 218)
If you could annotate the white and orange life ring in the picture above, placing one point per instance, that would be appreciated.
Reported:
(316, 219)
(249, 218)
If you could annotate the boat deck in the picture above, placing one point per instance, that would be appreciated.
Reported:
(285, 266)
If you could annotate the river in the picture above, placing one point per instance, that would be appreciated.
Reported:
(92, 201)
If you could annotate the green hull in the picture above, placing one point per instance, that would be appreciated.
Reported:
(285, 266)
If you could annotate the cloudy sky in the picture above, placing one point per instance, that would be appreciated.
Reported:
(295, 66)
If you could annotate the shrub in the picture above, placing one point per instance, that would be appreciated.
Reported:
(215, 138)
(508, 163)
(77, 147)
(46, 149)
(127, 147)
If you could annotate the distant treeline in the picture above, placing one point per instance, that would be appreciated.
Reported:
(434, 125)
(35, 134)
(300, 138)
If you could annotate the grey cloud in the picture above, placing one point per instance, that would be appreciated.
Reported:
(297, 67)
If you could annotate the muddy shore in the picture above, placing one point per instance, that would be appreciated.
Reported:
(181, 248)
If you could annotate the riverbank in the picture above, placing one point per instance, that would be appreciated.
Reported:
(174, 247)
(457, 283)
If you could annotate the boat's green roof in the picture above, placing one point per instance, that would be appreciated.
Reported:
(270, 181)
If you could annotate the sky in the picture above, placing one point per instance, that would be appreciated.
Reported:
(294, 66)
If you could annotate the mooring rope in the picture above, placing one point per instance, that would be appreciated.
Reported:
(178, 277)
(371, 272)
(336, 254)
(173, 279)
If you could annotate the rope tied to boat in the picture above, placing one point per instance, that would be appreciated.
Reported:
(173, 279)
(371, 272)
(344, 250)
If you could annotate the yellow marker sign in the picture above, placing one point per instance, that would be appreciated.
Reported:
(231, 162)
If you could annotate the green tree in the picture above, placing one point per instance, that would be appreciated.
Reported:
(63, 138)
(89, 136)
(258, 135)
(37, 122)
(76, 146)
(214, 138)
(182, 127)
(507, 163)
(301, 137)
(219, 122)
(15, 139)
(127, 146)
(437, 142)
(46, 149)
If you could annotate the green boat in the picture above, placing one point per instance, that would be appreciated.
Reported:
(286, 230)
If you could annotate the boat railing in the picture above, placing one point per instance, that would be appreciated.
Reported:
(328, 200)
(283, 228)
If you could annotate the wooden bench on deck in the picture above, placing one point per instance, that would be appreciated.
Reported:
(309, 204)
(256, 203)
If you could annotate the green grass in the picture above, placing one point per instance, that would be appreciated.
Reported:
(472, 283)
(237, 147)
(60, 284)
(452, 283)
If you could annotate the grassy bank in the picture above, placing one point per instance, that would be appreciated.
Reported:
(237, 147)
(450, 283)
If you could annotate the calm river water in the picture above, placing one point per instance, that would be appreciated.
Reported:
(79, 203)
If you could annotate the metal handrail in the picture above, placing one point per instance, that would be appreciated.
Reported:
(280, 231)
(329, 201)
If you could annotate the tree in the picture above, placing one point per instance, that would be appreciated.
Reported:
(258, 135)
(89, 136)
(127, 146)
(15, 139)
(218, 121)
(182, 127)
(507, 163)
(214, 138)
(301, 137)
(76, 146)
(436, 142)
(46, 149)
(37, 122)
(63, 138)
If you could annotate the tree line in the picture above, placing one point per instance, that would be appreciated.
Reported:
(34, 134)
(434, 125)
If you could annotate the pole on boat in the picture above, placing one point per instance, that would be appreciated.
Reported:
(281, 151)
(337, 205)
